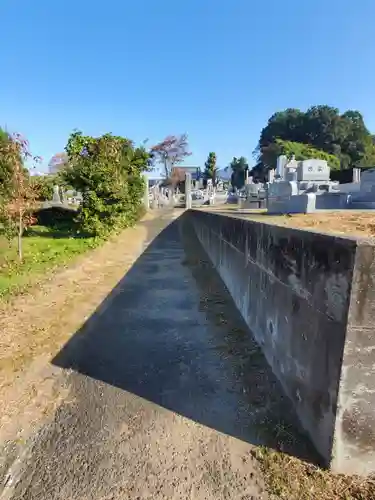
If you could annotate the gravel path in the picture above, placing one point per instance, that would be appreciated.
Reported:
(159, 395)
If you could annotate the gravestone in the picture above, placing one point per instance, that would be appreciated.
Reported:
(146, 195)
(357, 175)
(302, 187)
(364, 199)
(313, 170)
(188, 190)
(63, 196)
(56, 199)
(280, 167)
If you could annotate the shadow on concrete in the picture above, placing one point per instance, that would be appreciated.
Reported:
(170, 333)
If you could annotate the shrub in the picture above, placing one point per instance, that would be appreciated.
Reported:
(107, 170)
(43, 186)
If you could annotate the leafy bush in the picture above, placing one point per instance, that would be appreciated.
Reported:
(107, 170)
(43, 186)
(306, 151)
(289, 148)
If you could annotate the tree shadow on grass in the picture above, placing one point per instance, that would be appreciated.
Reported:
(53, 233)
(170, 333)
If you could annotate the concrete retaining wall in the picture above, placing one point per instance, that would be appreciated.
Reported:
(309, 299)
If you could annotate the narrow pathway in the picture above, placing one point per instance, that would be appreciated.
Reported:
(168, 392)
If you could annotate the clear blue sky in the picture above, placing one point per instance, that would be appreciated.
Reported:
(216, 69)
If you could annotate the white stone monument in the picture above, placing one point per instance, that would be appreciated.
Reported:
(356, 175)
(56, 199)
(188, 190)
(302, 186)
(280, 166)
(146, 195)
(271, 175)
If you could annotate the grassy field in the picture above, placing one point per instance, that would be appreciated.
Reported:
(43, 250)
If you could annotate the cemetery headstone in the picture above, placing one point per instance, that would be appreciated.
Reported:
(188, 190)
(56, 199)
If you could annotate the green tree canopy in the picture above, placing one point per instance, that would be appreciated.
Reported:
(210, 168)
(43, 186)
(107, 170)
(239, 168)
(299, 151)
(322, 127)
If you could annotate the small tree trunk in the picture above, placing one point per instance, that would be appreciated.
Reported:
(20, 232)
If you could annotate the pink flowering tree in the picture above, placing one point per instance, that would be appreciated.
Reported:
(170, 151)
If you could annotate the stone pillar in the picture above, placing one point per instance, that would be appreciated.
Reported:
(280, 166)
(356, 175)
(56, 198)
(271, 175)
(310, 202)
(246, 177)
(146, 199)
(188, 190)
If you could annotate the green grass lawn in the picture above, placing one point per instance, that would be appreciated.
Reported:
(43, 249)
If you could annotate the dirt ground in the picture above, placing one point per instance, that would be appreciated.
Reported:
(349, 222)
(138, 404)
(343, 222)
(35, 326)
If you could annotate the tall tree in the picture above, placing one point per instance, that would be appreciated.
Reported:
(344, 136)
(239, 168)
(210, 168)
(286, 125)
(170, 151)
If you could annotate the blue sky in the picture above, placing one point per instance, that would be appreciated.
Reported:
(215, 69)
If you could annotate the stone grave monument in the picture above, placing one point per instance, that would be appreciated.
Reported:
(56, 198)
(188, 190)
(303, 186)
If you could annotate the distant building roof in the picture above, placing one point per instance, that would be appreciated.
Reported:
(156, 173)
(187, 167)
(193, 169)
